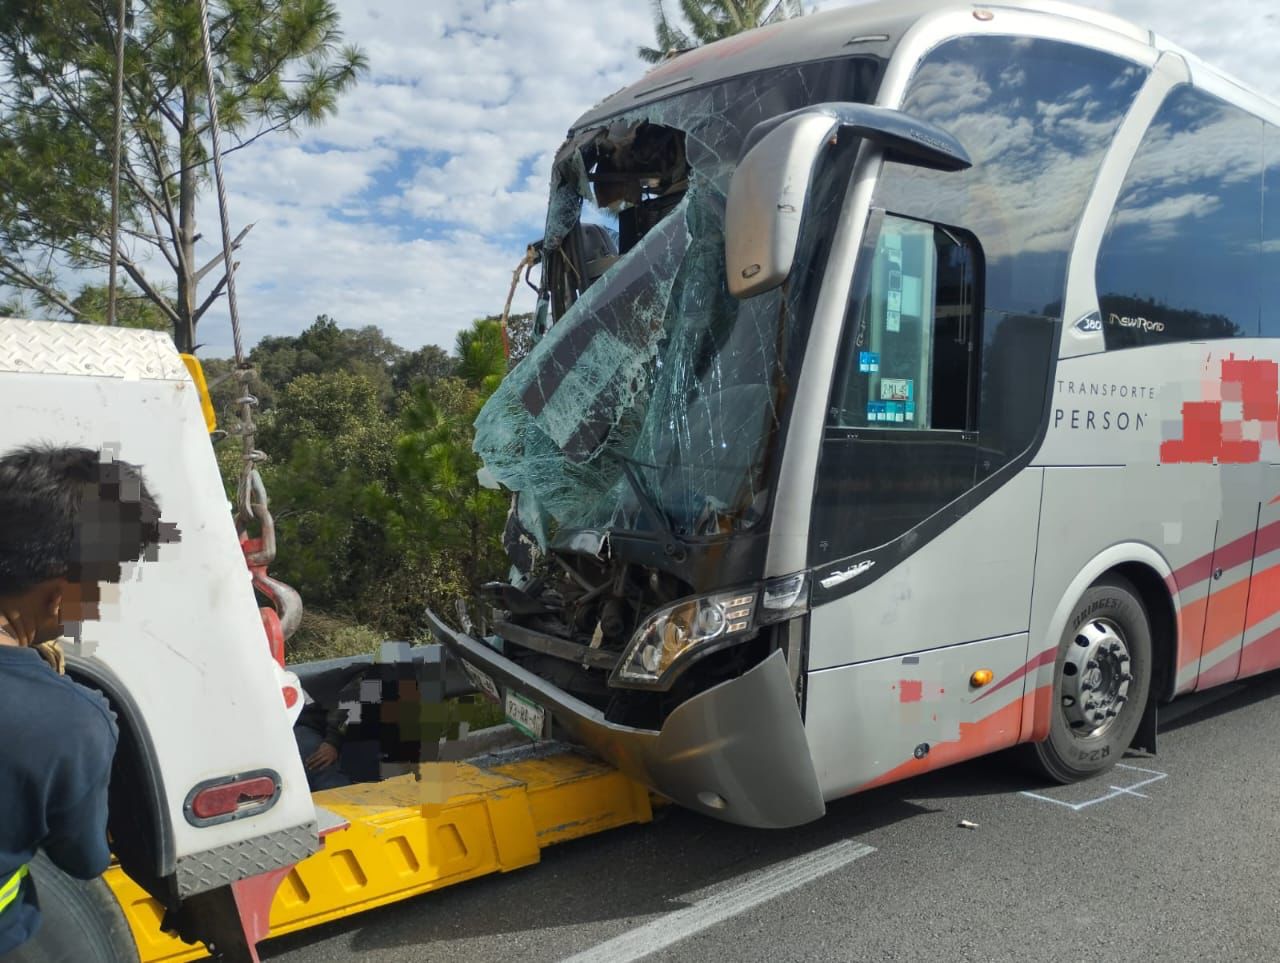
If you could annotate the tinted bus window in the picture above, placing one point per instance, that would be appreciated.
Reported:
(1271, 237)
(1036, 116)
(1181, 257)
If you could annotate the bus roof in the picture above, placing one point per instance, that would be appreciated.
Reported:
(875, 29)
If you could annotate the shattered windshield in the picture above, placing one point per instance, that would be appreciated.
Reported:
(647, 363)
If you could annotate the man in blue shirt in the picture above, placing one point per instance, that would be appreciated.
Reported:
(68, 521)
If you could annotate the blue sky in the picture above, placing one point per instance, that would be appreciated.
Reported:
(411, 208)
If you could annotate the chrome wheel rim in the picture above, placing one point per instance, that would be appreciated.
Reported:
(1096, 674)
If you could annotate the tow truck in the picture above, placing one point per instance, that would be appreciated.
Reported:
(217, 841)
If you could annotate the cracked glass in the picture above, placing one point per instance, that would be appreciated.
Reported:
(651, 399)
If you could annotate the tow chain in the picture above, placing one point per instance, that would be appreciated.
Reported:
(281, 619)
(282, 616)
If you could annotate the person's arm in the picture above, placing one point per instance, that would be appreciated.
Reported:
(77, 807)
(335, 727)
(77, 840)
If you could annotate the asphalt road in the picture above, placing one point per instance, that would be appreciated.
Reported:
(1180, 862)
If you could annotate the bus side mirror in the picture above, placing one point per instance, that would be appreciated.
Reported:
(769, 188)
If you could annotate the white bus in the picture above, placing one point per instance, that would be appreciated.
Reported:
(908, 392)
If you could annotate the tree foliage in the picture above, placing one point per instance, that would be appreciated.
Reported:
(326, 347)
(133, 308)
(372, 479)
(712, 20)
(279, 65)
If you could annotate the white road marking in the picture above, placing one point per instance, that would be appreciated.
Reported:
(1115, 790)
(760, 888)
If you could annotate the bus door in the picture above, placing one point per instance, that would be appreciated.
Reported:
(1230, 575)
(1261, 650)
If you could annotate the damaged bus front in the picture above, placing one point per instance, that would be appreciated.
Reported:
(643, 434)
(797, 511)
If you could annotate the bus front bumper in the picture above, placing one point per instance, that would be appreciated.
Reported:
(736, 752)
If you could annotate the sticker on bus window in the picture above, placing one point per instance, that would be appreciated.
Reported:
(868, 362)
(892, 319)
(912, 296)
(875, 411)
(894, 411)
(895, 389)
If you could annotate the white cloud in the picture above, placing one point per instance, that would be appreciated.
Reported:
(411, 208)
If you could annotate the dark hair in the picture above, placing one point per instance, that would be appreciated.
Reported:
(68, 513)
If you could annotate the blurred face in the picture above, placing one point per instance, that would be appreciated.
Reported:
(80, 602)
(55, 608)
(36, 615)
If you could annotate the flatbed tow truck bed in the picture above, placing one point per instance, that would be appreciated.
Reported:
(411, 834)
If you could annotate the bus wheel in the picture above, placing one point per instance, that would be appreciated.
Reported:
(79, 922)
(1100, 683)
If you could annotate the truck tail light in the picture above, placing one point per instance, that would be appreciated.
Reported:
(234, 797)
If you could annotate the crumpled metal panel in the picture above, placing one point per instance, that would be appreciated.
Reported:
(212, 868)
(742, 740)
(54, 347)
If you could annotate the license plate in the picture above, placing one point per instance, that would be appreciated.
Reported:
(526, 716)
(482, 682)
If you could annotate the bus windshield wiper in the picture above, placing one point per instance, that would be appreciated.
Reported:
(675, 546)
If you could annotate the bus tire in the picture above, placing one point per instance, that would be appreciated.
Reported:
(80, 922)
(1101, 682)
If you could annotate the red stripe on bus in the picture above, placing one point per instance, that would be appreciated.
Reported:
(1234, 553)
(1261, 654)
(1046, 657)
(1222, 609)
(1268, 539)
(994, 732)
(1220, 674)
(1225, 618)
(1264, 600)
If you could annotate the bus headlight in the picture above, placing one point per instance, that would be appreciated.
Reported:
(670, 632)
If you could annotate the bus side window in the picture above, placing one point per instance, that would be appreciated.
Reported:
(912, 360)
(1181, 259)
(1271, 236)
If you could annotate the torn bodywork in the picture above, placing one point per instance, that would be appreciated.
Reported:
(641, 437)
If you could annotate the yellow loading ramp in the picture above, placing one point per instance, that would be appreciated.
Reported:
(416, 833)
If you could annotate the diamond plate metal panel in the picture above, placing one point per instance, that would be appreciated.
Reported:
(212, 868)
(52, 347)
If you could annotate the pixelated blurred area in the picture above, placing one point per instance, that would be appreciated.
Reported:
(401, 720)
(119, 523)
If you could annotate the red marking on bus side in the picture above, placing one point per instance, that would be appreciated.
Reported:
(1037, 714)
(1264, 599)
(996, 731)
(1201, 635)
(1252, 383)
(1260, 655)
(1047, 657)
(1258, 597)
(1223, 672)
(1257, 383)
(1201, 439)
(1224, 619)
(912, 690)
(1233, 553)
